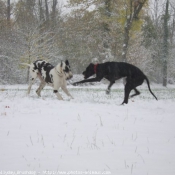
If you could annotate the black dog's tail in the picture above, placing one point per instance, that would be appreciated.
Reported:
(149, 87)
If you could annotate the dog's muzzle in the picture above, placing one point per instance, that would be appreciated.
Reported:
(68, 78)
(69, 75)
(84, 75)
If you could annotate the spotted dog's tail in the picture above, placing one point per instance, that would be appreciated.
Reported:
(25, 64)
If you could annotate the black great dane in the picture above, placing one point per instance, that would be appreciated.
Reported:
(113, 71)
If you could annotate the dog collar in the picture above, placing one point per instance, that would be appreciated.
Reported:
(95, 67)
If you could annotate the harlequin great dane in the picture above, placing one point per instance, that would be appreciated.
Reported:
(113, 71)
(48, 74)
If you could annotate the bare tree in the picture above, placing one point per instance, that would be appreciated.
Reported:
(47, 10)
(165, 43)
(135, 7)
(8, 12)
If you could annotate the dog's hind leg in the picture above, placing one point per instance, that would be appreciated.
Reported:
(33, 75)
(136, 93)
(127, 92)
(41, 86)
(30, 85)
(109, 87)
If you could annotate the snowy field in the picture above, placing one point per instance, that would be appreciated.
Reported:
(91, 134)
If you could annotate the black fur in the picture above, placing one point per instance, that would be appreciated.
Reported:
(67, 68)
(55, 91)
(113, 71)
(47, 68)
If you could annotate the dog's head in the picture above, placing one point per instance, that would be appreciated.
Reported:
(89, 71)
(65, 68)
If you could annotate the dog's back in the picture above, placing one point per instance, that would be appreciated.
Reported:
(43, 68)
(122, 69)
(38, 64)
(45, 72)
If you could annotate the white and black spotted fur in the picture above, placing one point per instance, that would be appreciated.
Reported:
(48, 74)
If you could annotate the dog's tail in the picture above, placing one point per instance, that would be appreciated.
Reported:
(149, 87)
(25, 64)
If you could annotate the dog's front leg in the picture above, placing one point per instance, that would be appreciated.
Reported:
(58, 95)
(56, 86)
(64, 88)
(87, 80)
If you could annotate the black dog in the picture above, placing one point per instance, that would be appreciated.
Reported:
(113, 71)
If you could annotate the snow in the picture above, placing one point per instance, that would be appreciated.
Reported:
(91, 134)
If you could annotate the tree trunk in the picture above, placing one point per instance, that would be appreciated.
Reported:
(165, 44)
(126, 39)
(47, 10)
(133, 15)
(41, 14)
(54, 10)
(8, 12)
(106, 30)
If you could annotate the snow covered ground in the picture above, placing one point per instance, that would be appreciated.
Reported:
(91, 134)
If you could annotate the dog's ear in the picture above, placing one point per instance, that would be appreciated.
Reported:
(67, 62)
(61, 64)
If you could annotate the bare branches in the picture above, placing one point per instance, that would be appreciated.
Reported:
(133, 15)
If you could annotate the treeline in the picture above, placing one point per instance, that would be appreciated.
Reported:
(83, 31)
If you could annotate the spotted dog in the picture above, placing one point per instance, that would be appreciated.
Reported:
(48, 74)
(113, 71)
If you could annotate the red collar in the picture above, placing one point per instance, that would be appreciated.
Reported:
(95, 67)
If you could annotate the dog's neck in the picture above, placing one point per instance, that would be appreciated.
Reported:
(59, 70)
(59, 73)
(95, 67)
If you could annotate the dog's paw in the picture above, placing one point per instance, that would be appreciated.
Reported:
(107, 92)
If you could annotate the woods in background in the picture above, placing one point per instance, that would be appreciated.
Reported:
(136, 31)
